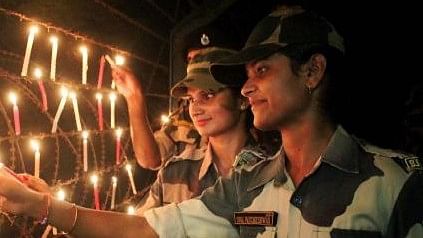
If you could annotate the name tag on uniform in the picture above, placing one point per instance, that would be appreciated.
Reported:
(256, 218)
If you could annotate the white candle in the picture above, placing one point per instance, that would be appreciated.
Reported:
(114, 185)
(54, 45)
(112, 98)
(64, 92)
(131, 210)
(85, 150)
(94, 181)
(35, 144)
(118, 144)
(76, 111)
(38, 74)
(119, 60)
(131, 178)
(84, 52)
(32, 31)
(16, 119)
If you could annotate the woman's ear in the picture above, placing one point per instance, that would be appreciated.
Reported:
(316, 68)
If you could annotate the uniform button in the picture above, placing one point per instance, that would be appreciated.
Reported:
(298, 200)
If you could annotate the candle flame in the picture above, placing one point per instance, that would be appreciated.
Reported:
(64, 91)
(119, 60)
(85, 134)
(35, 144)
(165, 119)
(13, 98)
(131, 210)
(61, 195)
(119, 132)
(72, 94)
(33, 29)
(38, 73)
(94, 179)
(83, 50)
(99, 96)
(128, 167)
(114, 180)
(112, 96)
(54, 39)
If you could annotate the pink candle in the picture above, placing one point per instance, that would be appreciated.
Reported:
(16, 119)
(99, 98)
(94, 180)
(38, 74)
(101, 72)
(118, 136)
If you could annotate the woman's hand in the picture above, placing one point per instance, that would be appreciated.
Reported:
(16, 197)
(35, 183)
(127, 83)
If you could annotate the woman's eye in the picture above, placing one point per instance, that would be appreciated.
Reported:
(210, 95)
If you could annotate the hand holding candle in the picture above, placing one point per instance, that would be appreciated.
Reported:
(38, 74)
(85, 150)
(131, 178)
(32, 31)
(35, 144)
(16, 119)
(94, 181)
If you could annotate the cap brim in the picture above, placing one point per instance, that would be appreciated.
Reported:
(195, 80)
(231, 70)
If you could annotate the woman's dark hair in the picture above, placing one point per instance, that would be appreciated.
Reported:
(332, 94)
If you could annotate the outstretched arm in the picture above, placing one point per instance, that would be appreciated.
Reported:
(145, 147)
(16, 198)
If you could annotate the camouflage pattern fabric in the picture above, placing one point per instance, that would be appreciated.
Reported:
(353, 191)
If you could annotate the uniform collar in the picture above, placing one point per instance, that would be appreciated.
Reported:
(342, 153)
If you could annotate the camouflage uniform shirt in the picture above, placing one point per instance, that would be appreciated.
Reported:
(186, 176)
(351, 192)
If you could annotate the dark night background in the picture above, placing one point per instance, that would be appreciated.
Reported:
(383, 92)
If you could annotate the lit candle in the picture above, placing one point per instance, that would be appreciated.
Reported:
(101, 72)
(64, 92)
(84, 52)
(119, 60)
(38, 74)
(131, 178)
(60, 195)
(32, 31)
(99, 98)
(16, 119)
(112, 98)
(131, 210)
(118, 136)
(35, 144)
(54, 45)
(165, 119)
(114, 185)
(76, 111)
(85, 150)
(94, 181)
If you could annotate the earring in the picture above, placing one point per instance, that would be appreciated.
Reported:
(309, 90)
(243, 106)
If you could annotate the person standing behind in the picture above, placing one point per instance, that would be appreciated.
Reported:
(220, 114)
